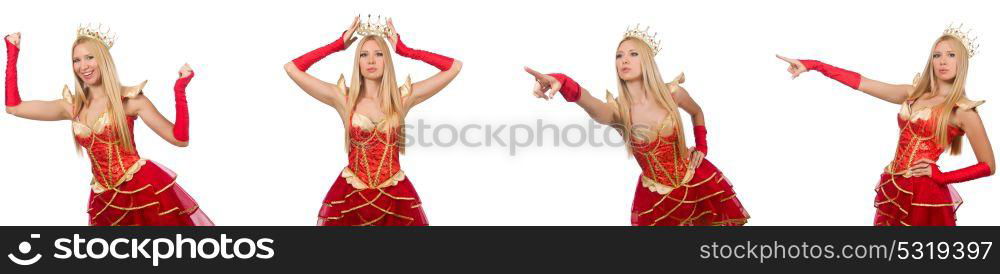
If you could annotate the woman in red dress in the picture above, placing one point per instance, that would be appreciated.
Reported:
(372, 189)
(678, 187)
(935, 114)
(126, 189)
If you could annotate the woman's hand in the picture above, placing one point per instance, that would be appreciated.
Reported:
(920, 168)
(794, 66)
(545, 86)
(393, 35)
(349, 33)
(185, 71)
(15, 38)
(695, 157)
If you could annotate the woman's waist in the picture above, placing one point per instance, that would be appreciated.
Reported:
(372, 179)
(901, 166)
(150, 172)
(905, 159)
(111, 155)
(663, 169)
(664, 182)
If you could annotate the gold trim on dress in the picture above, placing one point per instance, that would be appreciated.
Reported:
(182, 212)
(611, 100)
(661, 188)
(133, 208)
(706, 180)
(169, 211)
(356, 182)
(675, 85)
(367, 124)
(133, 91)
(132, 191)
(67, 95)
(737, 221)
(706, 197)
(342, 85)
(407, 87)
(98, 188)
(966, 104)
(81, 128)
(331, 204)
(937, 205)
(172, 183)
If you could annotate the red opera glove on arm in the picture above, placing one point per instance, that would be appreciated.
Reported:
(847, 77)
(441, 62)
(700, 140)
(307, 60)
(570, 90)
(182, 121)
(11, 96)
(982, 169)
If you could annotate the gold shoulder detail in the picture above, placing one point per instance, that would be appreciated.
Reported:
(611, 100)
(131, 92)
(675, 85)
(67, 95)
(406, 88)
(616, 106)
(966, 104)
(342, 85)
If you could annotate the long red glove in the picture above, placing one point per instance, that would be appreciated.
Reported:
(700, 141)
(439, 61)
(11, 98)
(847, 77)
(182, 122)
(307, 60)
(982, 169)
(570, 90)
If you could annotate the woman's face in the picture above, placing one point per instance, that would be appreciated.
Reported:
(372, 60)
(85, 66)
(945, 61)
(627, 61)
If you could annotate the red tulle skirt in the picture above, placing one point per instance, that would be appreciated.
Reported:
(917, 201)
(151, 198)
(708, 199)
(396, 205)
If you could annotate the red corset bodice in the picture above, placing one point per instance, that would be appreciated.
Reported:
(660, 161)
(917, 139)
(373, 157)
(111, 163)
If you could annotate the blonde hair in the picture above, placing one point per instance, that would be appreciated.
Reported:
(112, 88)
(391, 98)
(653, 84)
(927, 83)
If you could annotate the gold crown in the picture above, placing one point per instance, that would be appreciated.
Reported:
(644, 36)
(963, 35)
(105, 36)
(378, 28)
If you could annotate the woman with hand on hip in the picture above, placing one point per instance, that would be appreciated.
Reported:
(678, 186)
(934, 116)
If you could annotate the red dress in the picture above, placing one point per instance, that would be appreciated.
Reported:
(128, 190)
(904, 200)
(671, 194)
(372, 190)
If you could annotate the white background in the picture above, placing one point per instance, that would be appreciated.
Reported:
(803, 152)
